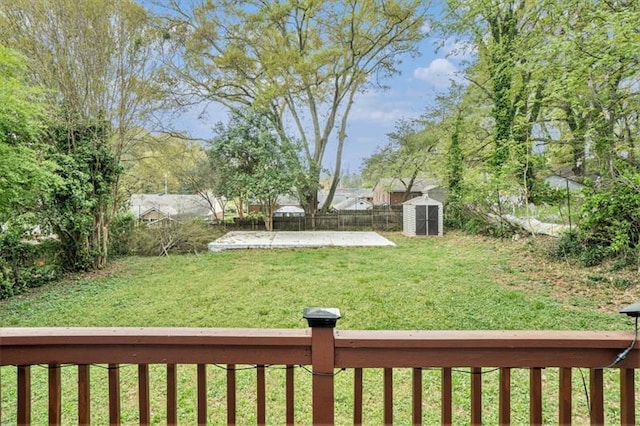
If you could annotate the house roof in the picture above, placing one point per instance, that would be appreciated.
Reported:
(560, 182)
(342, 194)
(422, 200)
(290, 209)
(398, 185)
(171, 205)
(353, 204)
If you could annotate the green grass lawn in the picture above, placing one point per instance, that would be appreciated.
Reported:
(454, 282)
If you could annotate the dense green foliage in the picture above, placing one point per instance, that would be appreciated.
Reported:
(25, 175)
(77, 209)
(252, 163)
(27, 178)
(25, 264)
(611, 221)
(94, 63)
(551, 88)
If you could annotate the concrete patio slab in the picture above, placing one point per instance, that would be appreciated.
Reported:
(293, 239)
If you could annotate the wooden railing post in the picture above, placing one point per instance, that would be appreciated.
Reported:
(322, 322)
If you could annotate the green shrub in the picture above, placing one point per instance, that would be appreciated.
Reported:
(121, 234)
(543, 193)
(609, 226)
(26, 262)
(567, 246)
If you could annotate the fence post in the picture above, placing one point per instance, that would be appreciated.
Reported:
(322, 322)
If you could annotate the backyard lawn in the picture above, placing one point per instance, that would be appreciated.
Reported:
(454, 282)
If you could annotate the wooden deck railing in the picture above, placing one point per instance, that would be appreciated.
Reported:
(323, 350)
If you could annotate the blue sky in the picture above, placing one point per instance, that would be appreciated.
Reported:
(374, 112)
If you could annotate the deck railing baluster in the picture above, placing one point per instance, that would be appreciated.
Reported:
(55, 398)
(504, 405)
(564, 396)
(172, 394)
(446, 397)
(535, 396)
(24, 394)
(84, 395)
(357, 396)
(596, 396)
(417, 396)
(261, 395)
(144, 408)
(388, 396)
(231, 394)
(114, 394)
(627, 396)
(290, 395)
(476, 396)
(202, 394)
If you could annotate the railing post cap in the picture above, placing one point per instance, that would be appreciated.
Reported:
(632, 310)
(322, 317)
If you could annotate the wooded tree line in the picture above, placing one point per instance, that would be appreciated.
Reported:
(89, 89)
(552, 87)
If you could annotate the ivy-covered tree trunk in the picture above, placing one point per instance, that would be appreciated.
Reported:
(455, 160)
(501, 69)
(78, 210)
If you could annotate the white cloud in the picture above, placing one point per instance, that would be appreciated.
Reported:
(381, 108)
(439, 73)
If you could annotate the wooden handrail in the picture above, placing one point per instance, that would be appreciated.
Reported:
(455, 348)
(324, 350)
(27, 346)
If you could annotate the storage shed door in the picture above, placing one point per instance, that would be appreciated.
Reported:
(432, 221)
(421, 220)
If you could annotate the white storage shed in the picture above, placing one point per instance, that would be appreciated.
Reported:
(422, 216)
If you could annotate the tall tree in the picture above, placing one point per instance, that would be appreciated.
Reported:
(77, 208)
(163, 163)
(411, 146)
(97, 59)
(303, 62)
(596, 69)
(250, 164)
(25, 176)
(504, 33)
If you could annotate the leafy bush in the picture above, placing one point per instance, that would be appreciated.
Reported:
(543, 193)
(568, 245)
(122, 234)
(476, 212)
(609, 225)
(611, 217)
(26, 262)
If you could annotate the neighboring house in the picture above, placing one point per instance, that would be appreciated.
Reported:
(289, 211)
(353, 204)
(560, 182)
(393, 191)
(156, 208)
(342, 194)
(283, 201)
